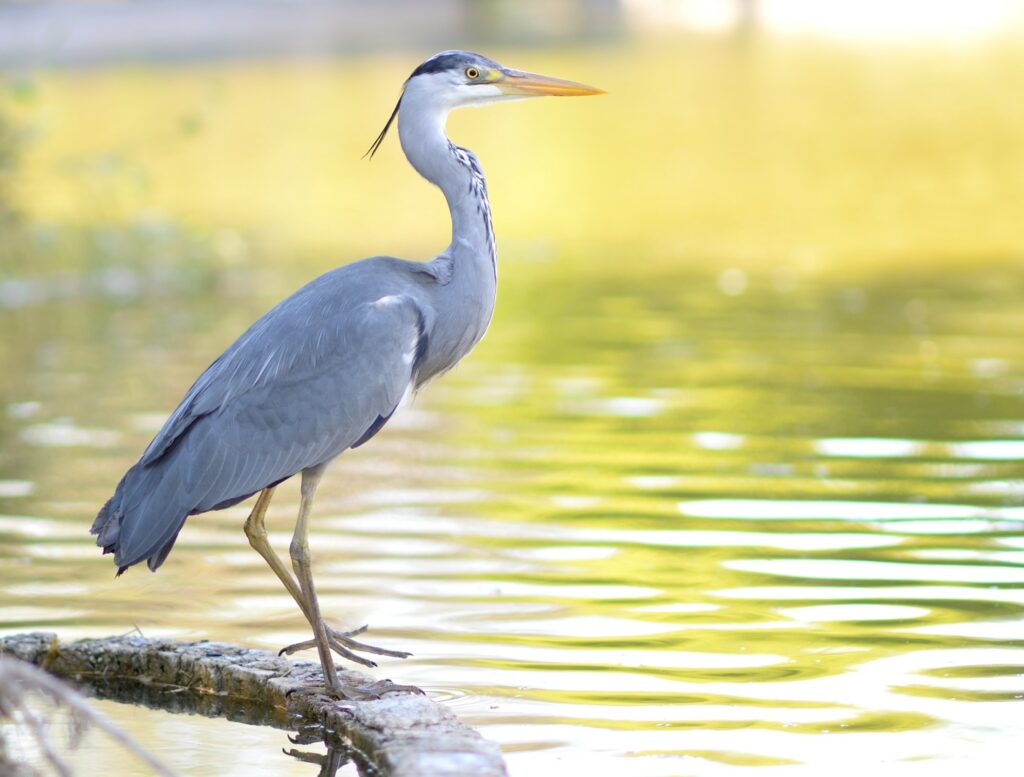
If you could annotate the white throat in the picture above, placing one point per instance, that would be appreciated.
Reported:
(422, 115)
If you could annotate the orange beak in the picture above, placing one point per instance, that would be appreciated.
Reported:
(519, 84)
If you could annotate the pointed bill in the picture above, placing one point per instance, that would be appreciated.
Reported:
(521, 84)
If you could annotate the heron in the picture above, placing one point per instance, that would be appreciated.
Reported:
(325, 369)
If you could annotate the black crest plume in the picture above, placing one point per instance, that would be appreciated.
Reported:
(380, 138)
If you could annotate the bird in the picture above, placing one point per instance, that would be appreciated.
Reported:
(323, 371)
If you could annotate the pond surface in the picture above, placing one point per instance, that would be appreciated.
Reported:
(736, 479)
(685, 523)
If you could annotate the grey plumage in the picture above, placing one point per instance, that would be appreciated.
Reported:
(325, 369)
(319, 373)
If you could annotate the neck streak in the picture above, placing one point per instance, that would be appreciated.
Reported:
(455, 170)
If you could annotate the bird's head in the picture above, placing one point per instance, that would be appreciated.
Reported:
(456, 79)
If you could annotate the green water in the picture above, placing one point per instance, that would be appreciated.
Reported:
(648, 528)
(734, 482)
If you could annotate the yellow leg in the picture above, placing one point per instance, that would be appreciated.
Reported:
(340, 641)
(301, 563)
(256, 531)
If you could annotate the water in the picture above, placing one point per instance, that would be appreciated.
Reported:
(735, 479)
(657, 524)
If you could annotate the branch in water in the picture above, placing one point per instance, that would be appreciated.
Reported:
(398, 734)
(20, 681)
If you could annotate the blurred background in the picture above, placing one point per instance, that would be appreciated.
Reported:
(735, 479)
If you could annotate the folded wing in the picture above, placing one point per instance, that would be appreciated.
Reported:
(303, 384)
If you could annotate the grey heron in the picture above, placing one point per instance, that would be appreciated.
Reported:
(325, 369)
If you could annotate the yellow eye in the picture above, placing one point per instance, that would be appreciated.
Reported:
(472, 72)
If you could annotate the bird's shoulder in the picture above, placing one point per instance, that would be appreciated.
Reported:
(340, 291)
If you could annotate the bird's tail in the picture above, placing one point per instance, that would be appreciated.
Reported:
(142, 519)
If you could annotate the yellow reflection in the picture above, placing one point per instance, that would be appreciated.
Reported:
(789, 153)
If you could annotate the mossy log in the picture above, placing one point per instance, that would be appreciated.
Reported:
(400, 734)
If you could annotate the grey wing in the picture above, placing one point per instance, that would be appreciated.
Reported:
(351, 379)
(291, 394)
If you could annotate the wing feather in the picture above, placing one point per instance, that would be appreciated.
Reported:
(298, 420)
(309, 380)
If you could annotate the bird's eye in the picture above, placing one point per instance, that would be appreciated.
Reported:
(472, 72)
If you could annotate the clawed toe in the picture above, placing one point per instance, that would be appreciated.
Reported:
(341, 642)
(344, 652)
(370, 692)
(345, 637)
(352, 633)
(373, 691)
(296, 647)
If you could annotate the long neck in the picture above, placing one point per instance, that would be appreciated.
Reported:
(455, 171)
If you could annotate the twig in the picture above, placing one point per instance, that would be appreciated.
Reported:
(21, 679)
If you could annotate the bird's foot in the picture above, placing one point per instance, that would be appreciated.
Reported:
(341, 642)
(355, 692)
(373, 691)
